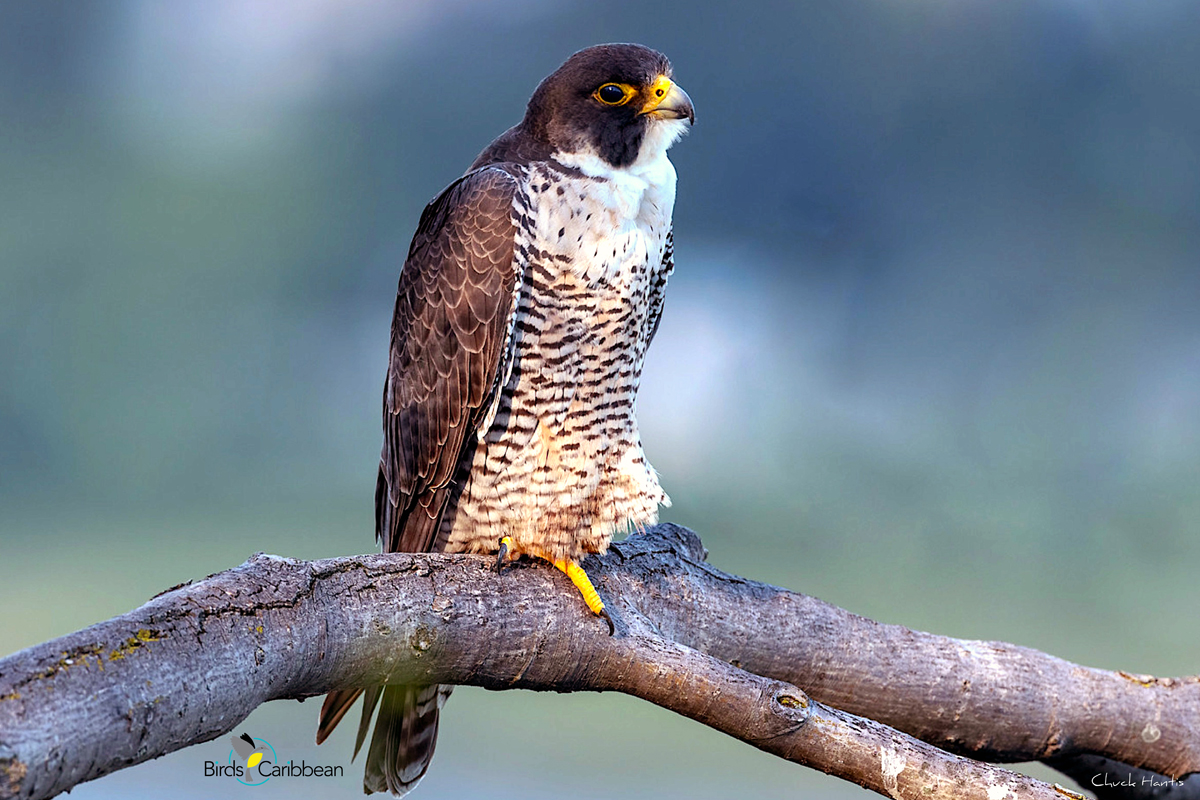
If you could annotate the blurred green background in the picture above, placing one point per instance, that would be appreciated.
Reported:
(931, 352)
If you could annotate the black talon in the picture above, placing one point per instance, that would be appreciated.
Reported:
(500, 556)
(612, 629)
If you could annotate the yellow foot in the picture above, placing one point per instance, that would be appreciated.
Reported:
(584, 584)
(505, 544)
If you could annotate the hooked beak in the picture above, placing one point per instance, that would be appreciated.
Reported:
(668, 101)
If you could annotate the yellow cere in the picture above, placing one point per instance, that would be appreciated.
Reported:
(657, 93)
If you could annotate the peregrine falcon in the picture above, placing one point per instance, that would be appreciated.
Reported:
(533, 286)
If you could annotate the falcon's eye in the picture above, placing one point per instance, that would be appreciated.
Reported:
(614, 94)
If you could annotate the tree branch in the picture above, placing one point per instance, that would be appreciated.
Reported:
(991, 700)
(734, 654)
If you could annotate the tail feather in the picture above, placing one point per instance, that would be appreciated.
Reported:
(405, 732)
(370, 700)
(404, 739)
(334, 708)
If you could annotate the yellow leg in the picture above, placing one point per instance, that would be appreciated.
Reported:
(578, 577)
(505, 546)
(584, 584)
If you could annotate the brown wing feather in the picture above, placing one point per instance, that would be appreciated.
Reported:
(448, 331)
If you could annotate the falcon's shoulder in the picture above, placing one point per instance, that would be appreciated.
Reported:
(450, 325)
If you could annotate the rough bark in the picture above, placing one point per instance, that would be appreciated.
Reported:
(785, 672)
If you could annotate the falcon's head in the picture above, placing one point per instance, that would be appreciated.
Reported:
(614, 101)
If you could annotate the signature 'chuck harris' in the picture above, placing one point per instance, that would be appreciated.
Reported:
(533, 286)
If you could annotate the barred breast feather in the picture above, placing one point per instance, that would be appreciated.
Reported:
(559, 465)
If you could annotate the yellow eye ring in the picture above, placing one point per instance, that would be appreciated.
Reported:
(614, 94)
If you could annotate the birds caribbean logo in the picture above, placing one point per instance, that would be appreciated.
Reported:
(251, 752)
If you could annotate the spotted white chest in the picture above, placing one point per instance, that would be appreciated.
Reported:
(560, 467)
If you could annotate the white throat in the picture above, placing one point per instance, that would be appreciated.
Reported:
(645, 188)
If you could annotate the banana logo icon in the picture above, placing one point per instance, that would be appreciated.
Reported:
(246, 749)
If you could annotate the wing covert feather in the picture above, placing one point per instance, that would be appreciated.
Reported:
(448, 332)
